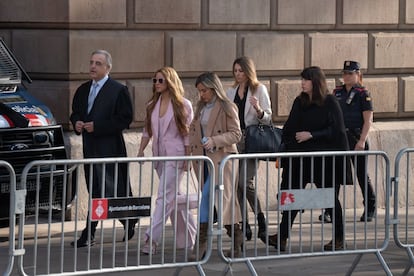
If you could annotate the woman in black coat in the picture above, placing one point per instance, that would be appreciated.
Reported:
(315, 123)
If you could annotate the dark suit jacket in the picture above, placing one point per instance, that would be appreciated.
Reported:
(111, 113)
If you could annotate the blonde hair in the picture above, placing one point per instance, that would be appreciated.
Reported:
(212, 81)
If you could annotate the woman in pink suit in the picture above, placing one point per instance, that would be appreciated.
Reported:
(168, 117)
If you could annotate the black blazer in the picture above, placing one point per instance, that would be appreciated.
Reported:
(111, 113)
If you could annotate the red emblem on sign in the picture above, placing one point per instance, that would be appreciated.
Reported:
(287, 198)
(99, 208)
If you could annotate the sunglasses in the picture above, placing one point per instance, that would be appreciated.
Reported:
(160, 81)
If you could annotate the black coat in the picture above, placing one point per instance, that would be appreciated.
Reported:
(111, 113)
(326, 125)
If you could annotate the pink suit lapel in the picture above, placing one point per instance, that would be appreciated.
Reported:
(155, 119)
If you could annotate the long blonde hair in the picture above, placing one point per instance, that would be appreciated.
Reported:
(176, 90)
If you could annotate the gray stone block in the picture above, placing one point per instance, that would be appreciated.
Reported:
(370, 12)
(329, 50)
(303, 12)
(167, 11)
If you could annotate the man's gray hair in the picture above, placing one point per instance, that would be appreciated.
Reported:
(107, 55)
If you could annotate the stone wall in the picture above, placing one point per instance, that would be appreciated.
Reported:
(53, 40)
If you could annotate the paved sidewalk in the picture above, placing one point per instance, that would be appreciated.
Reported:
(369, 265)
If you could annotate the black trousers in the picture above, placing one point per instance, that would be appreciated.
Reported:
(360, 164)
(292, 180)
(107, 172)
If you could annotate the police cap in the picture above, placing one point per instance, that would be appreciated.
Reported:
(351, 66)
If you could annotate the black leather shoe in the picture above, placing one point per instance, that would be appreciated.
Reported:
(339, 244)
(370, 215)
(326, 218)
(83, 243)
(131, 233)
(273, 240)
(131, 229)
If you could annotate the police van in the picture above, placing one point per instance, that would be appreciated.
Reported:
(28, 131)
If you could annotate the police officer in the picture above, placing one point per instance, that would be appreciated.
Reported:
(356, 105)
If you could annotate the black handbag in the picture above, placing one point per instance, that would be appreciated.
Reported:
(263, 139)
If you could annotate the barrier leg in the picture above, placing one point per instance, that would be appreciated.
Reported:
(383, 263)
(354, 264)
(251, 268)
(411, 261)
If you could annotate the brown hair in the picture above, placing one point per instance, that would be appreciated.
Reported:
(249, 70)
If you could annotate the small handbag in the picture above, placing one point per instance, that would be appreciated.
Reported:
(192, 198)
(263, 139)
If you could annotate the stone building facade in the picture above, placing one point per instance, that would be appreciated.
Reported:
(54, 38)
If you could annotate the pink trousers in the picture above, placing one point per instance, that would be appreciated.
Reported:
(165, 208)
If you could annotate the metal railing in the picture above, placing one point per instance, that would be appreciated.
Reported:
(43, 239)
(308, 235)
(403, 198)
(16, 205)
(52, 253)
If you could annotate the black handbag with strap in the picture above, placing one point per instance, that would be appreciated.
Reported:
(263, 139)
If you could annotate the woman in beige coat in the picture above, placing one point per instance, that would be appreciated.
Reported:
(216, 123)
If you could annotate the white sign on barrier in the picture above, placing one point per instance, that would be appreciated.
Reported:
(20, 201)
(306, 199)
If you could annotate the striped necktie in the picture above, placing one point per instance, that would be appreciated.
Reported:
(92, 96)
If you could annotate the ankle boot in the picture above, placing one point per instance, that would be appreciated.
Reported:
(237, 240)
(261, 222)
(202, 244)
(248, 230)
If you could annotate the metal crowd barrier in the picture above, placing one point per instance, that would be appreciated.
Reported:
(308, 234)
(9, 175)
(403, 198)
(45, 235)
(44, 232)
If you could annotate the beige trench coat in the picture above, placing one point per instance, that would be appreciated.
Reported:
(226, 133)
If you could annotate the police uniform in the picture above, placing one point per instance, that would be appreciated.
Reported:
(353, 103)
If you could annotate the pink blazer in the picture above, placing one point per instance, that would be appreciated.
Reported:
(169, 136)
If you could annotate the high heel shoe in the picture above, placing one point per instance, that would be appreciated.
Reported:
(146, 248)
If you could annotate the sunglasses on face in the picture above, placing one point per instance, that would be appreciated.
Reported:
(160, 81)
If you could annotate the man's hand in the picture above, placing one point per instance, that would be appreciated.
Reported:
(88, 127)
(79, 126)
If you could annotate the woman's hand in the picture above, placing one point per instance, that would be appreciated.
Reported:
(360, 145)
(209, 145)
(303, 136)
(255, 103)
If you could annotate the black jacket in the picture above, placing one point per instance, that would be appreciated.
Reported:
(326, 125)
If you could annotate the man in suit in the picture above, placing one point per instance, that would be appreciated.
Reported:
(101, 110)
